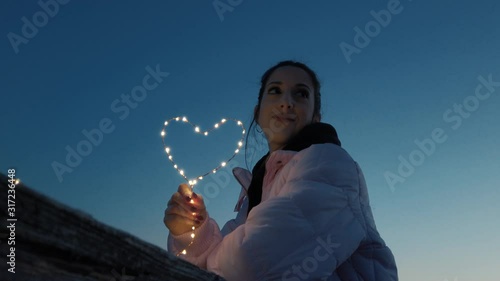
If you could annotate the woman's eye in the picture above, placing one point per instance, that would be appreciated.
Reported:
(303, 93)
(273, 90)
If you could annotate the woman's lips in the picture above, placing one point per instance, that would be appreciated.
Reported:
(284, 119)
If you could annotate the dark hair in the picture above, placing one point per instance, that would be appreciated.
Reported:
(263, 81)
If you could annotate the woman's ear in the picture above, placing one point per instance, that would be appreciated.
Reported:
(316, 118)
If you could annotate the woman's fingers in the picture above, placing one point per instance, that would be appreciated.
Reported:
(177, 210)
(190, 200)
(185, 190)
(180, 206)
(177, 215)
(198, 203)
(185, 209)
(186, 204)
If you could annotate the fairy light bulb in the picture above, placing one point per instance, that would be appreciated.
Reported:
(192, 182)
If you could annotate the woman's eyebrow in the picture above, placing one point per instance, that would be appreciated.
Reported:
(303, 85)
(298, 84)
(275, 82)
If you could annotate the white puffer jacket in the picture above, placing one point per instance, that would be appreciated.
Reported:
(314, 223)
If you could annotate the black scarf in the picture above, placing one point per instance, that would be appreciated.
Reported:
(314, 133)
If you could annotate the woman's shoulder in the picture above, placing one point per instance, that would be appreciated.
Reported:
(326, 153)
(327, 163)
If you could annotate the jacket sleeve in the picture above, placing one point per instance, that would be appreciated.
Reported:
(207, 236)
(306, 230)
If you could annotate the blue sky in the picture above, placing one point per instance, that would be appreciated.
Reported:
(440, 220)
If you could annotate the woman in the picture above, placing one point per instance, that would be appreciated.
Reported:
(306, 215)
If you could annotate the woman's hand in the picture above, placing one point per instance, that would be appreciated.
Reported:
(184, 210)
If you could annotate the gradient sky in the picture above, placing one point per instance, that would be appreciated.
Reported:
(441, 222)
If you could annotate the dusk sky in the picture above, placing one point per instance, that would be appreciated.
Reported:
(412, 87)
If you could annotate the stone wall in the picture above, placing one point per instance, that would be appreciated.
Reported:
(58, 243)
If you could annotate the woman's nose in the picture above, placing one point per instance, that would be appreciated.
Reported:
(286, 101)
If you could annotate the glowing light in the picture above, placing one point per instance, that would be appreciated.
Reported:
(194, 181)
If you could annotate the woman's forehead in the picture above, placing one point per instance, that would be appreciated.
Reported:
(290, 75)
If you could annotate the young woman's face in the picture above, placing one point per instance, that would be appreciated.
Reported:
(287, 105)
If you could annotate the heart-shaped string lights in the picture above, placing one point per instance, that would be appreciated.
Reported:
(195, 180)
